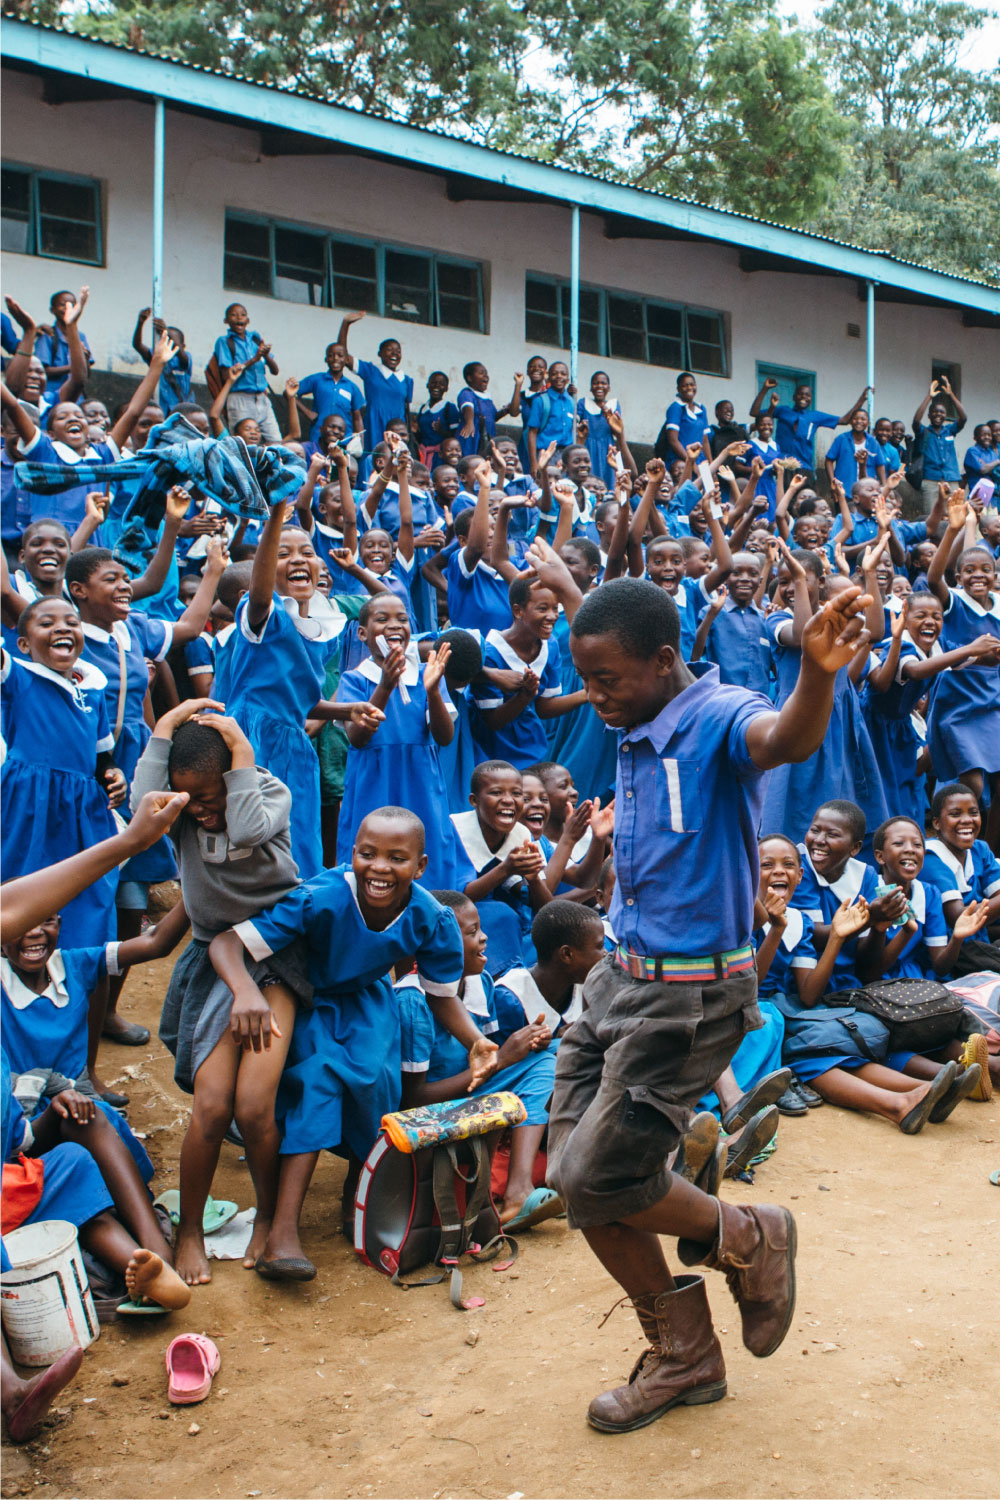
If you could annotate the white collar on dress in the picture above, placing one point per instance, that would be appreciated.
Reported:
(352, 886)
(119, 631)
(977, 609)
(590, 405)
(468, 829)
(324, 622)
(515, 662)
(20, 996)
(521, 982)
(794, 924)
(961, 871)
(848, 886)
(371, 669)
(86, 677)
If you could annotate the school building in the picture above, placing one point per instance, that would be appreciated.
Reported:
(159, 183)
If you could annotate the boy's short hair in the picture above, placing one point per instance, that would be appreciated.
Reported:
(782, 838)
(199, 747)
(33, 526)
(950, 789)
(639, 616)
(878, 837)
(541, 769)
(970, 551)
(373, 599)
(474, 364)
(689, 545)
(234, 581)
(603, 510)
(453, 899)
(462, 522)
(519, 592)
(486, 769)
(850, 812)
(83, 564)
(188, 408)
(33, 607)
(921, 596)
(466, 660)
(243, 552)
(467, 463)
(588, 550)
(402, 815)
(561, 923)
(810, 561)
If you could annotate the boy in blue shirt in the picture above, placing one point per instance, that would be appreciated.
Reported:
(855, 455)
(667, 1010)
(552, 418)
(175, 382)
(936, 438)
(52, 347)
(332, 394)
(795, 426)
(249, 395)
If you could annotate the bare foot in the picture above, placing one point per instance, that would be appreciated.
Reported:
(190, 1260)
(258, 1242)
(511, 1207)
(30, 1405)
(147, 1276)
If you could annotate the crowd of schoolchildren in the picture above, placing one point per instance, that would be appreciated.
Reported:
(337, 618)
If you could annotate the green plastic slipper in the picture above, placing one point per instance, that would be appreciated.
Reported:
(218, 1211)
(131, 1309)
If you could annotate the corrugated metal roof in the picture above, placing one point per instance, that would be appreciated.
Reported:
(617, 180)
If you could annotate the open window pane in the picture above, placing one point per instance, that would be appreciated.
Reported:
(408, 286)
(355, 276)
(16, 215)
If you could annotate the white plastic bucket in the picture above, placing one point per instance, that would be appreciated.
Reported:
(45, 1298)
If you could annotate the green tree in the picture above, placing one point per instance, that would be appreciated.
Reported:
(922, 179)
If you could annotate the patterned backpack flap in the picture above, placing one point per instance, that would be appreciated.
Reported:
(921, 1014)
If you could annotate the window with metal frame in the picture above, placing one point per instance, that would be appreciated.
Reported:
(301, 263)
(626, 325)
(51, 214)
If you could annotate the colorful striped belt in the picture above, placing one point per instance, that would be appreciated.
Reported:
(677, 967)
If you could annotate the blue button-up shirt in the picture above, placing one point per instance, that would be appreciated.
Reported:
(795, 431)
(940, 455)
(739, 647)
(687, 804)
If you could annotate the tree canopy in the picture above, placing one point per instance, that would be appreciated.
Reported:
(868, 126)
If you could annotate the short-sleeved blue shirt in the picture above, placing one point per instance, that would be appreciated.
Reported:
(940, 453)
(332, 396)
(232, 350)
(795, 431)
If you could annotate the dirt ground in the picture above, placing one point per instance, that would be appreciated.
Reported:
(350, 1387)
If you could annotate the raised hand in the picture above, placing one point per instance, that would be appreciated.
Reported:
(545, 457)
(434, 668)
(718, 600)
(164, 351)
(958, 510)
(836, 632)
(216, 555)
(872, 554)
(656, 471)
(75, 313)
(850, 917)
(972, 920)
(602, 819)
(178, 500)
(291, 387)
(791, 562)
(19, 315)
(615, 421)
(235, 740)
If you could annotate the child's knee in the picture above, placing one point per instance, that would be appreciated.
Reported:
(254, 1114)
(213, 1112)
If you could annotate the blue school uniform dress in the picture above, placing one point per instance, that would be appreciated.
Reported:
(49, 1030)
(333, 396)
(388, 395)
(974, 878)
(460, 758)
(477, 598)
(517, 1001)
(551, 419)
(524, 740)
(342, 1072)
(132, 640)
(437, 420)
(845, 466)
(223, 642)
(15, 504)
(276, 675)
(51, 804)
(599, 436)
(939, 451)
(506, 913)
(53, 349)
(528, 399)
(70, 506)
(767, 484)
(739, 646)
(844, 766)
(199, 662)
(914, 959)
(894, 738)
(580, 740)
(964, 719)
(432, 1053)
(399, 767)
(819, 898)
(689, 422)
(73, 1188)
(484, 419)
(795, 432)
(422, 595)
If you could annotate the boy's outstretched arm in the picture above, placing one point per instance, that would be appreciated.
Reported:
(829, 641)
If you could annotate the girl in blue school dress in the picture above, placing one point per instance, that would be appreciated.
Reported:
(410, 515)
(58, 783)
(964, 727)
(399, 760)
(593, 410)
(281, 647)
(388, 395)
(844, 767)
(437, 419)
(579, 740)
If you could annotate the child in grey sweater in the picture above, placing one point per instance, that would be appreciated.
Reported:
(234, 850)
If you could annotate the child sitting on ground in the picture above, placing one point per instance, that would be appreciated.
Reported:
(435, 1067)
(234, 850)
(342, 1073)
(569, 940)
(965, 870)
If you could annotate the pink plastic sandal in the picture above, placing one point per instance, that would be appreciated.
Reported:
(192, 1360)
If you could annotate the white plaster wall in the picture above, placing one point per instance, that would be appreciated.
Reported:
(786, 319)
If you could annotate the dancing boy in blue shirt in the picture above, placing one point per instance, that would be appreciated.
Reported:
(795, 426)
(665, 1012)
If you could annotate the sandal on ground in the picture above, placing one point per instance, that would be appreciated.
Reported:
(976, 1050)
(541, 1203)
(918, 1116)
(964, 1087)
(192, 1360)
(754, 1136)
(766, 1091)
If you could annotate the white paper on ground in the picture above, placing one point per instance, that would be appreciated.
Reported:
(231, 1241)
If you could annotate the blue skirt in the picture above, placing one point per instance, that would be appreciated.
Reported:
(963, 733)
(48, 815)
(844, 767)
(288, 753)
(73, 1187)
(896, 747)
(403, 776)
(342, 1073)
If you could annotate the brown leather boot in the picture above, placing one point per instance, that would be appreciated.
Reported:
(756, 1249)
(682, 1367)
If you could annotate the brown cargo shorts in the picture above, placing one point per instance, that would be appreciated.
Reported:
(628, 1075)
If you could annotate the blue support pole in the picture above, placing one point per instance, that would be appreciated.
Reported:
(158, 173)
(871, 352)
(574, 299)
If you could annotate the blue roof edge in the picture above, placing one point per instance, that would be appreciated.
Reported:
(255, 104)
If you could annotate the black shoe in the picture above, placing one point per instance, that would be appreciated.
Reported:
(964, 1086)
(751, 1140)
(792, 1103)
(763, 1093)
(809, 1096)
(116, 1101)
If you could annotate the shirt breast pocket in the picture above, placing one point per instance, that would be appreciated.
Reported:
(678, 796)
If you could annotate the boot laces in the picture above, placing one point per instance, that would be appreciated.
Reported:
(733, 1269)
(660, 1345)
